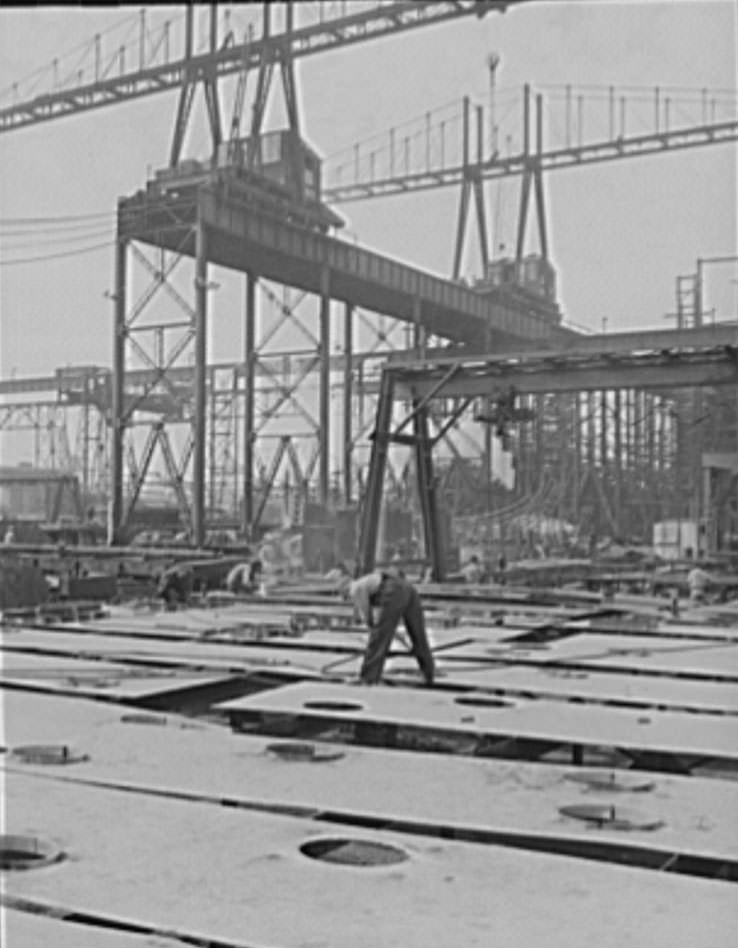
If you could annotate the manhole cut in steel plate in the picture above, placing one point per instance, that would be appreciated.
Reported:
(302, 751)
(27, 852)
(333, 705)
(48, 754)
(483, 701)
(143, 718)
(610, 780)
(353, 852)
(611, 816)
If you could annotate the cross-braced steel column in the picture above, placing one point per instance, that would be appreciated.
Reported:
(249, 358)
(348, 369)
(200, 393)
(118, 408)
(324, 439)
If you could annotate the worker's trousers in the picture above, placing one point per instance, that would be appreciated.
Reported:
(395, 600)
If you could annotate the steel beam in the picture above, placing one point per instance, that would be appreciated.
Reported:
(324, 434)
(348, 379)
(372, 504)
(370, 280)
(200, 392)
(249, 365)
(540, 376)
(718, 334)
(115, 520)
(427, 492)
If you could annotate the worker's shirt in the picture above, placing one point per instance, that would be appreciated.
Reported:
(237, 577)
(472, 573)
(363, 594)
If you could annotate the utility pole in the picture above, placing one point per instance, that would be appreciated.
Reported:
(493, 61)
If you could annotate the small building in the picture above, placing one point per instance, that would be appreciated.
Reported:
(39, 494)
(674, 539)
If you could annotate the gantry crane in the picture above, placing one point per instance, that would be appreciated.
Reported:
(228, 57)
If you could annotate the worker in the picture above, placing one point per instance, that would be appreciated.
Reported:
(390, 598)
(176, 584)
(473, 571)
(698, 580)
(244, 577)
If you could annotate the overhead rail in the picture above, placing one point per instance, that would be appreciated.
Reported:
(546, 373)
(147, 69)
(720, 334)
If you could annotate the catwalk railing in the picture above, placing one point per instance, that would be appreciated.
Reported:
(576, 125)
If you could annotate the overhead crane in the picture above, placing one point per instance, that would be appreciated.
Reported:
(205, 218)
(462, 380)
(258, 210)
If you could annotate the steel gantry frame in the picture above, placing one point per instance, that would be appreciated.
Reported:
(520, 379)
(214, 229)
(208, 225)
(207, 222)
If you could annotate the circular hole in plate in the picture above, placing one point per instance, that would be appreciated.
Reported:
(610, 780)
(142, 718)
(353, 852)
(302, 751)
(611, 816)
(333, 705)
(482, 701)
(27, 852)
(47, 754)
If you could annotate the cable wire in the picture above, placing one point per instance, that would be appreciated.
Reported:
(57, 218)
(56, 256)
(88, 235)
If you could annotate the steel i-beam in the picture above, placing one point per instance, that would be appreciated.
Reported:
(372, 506)
(200, 419)
(249, 358)
(348, 352)
(118, 421)
(325, 388)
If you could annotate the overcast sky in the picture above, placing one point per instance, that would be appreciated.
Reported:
(619, 232)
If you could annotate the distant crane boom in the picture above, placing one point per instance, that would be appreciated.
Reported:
(500, 166)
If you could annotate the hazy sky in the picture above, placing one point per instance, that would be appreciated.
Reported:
(620, 232)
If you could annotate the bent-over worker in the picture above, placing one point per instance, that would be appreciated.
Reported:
(698, 581)
(176, 585)
(393, 598)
